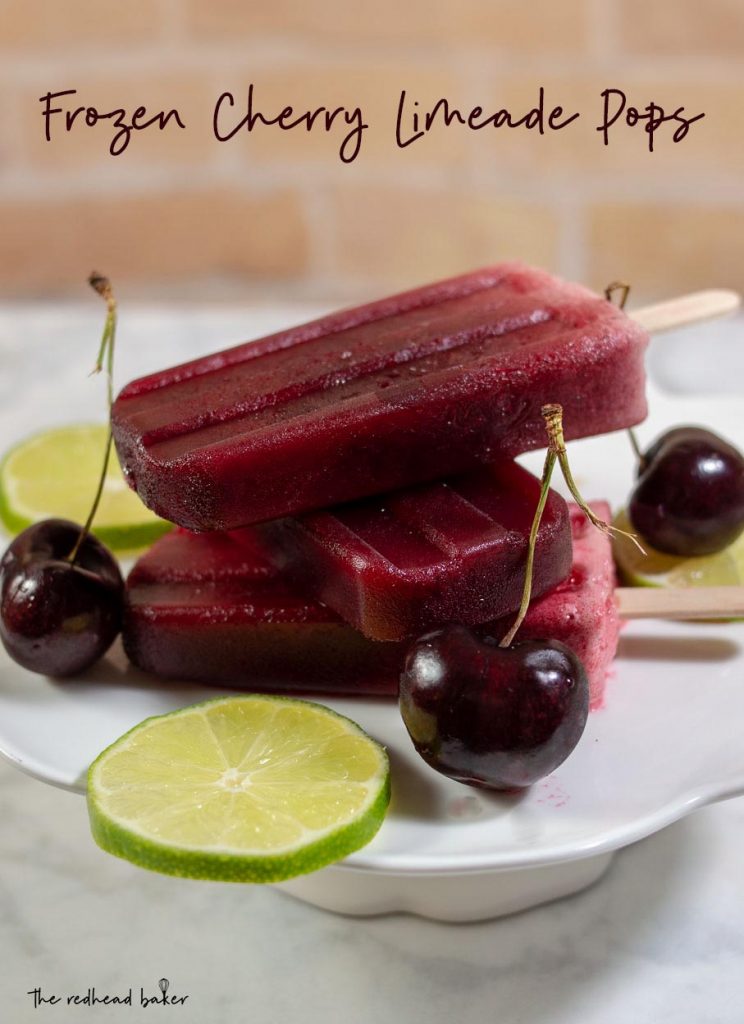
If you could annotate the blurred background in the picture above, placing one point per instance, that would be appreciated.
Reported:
(276, 216)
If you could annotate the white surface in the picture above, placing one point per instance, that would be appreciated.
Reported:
(701, 359)
(663, 925)
(659, 940)
(462, 896)
(598, 800)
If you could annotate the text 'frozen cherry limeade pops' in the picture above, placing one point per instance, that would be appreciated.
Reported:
(407, 389)
(211, 608)
(454, 550)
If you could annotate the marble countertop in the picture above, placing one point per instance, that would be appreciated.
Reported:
(659, 938)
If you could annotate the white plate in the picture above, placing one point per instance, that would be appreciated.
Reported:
(668, 740)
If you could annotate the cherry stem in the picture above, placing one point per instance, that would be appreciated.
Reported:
(547, 473)
(621, 286)
(640, 457)
(617, 286)
(553, 416)
(105, 357)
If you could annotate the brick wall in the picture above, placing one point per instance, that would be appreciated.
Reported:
(277, 214)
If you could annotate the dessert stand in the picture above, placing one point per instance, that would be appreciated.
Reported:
(666, 741)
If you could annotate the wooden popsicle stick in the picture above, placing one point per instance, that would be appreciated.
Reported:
(687, 309)
(680, 603)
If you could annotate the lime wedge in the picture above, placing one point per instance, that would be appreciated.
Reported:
(239, 789)
(56, 473)
(726, 568)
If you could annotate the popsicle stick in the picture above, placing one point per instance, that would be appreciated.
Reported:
(687, 309)
(680, 603)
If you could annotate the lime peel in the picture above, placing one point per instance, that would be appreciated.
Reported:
(54, 473)
(252, 788)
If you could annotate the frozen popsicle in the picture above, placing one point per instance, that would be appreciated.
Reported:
(451, 551)
(412, 388)
(210, 608)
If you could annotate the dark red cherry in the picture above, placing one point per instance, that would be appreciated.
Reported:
(58, 618)
(493, 716)
(689, 498)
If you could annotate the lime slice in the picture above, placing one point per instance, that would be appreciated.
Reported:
(726, 568)
(56, 473)
(239, 789)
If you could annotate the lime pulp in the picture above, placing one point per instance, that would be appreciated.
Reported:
(249, 788)
(55, 474)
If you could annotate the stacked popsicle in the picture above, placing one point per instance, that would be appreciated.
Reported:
(374, 449)
(212, 608)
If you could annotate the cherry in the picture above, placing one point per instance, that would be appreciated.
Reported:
(689, 498)
(61, 592)
(58, 617)
(499, 714)
(493, 716)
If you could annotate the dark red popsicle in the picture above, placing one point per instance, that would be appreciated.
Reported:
(451, 551)
(211, 608)
(412, 388)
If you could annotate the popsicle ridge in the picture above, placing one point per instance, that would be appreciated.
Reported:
(342, 355)
(433, 523)
(224, 578)
(410, 560)
(344, 320)
(448, 520)
(219, 558)
(418, 358)
(385, 535)
(413, 388)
